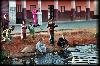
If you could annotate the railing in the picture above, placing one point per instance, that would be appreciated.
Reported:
(83, 61)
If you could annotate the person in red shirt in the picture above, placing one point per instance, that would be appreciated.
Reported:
(34, 13)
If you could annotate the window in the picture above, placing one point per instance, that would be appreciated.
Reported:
(78, 8)
(32, 7)
(18, 8)
(62, 9)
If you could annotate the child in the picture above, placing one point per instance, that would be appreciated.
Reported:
(40, 46)
(51, 31)
(34, 13)
(31, 29)
(6, 35)
(62, 42)
(23, 30)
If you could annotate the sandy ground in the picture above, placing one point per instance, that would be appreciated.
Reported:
(74, 37)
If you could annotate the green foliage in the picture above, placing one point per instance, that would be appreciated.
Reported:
(2, 56)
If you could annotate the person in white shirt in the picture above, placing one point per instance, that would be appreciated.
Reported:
(23, 30)
(40, 46)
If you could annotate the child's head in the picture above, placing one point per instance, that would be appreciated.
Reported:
(12, 27)
(62, 36)
(23, 22)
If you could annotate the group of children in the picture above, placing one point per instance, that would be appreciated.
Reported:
(61, 43)
(40, 46)
(23, 30)
(37, 21)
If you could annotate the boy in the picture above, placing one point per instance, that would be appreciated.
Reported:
(40, 46)
(31, 29)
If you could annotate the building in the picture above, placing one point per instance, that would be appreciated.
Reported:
(63, 9)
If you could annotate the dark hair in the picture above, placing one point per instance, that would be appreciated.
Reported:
(12, 27)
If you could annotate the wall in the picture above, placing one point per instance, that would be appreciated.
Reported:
(61, 15)
(83, 5)
(67, 5)
(30, 2)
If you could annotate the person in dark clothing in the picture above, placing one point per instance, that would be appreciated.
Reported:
(51, 26)
(63, 53)
(5, 22)
(62, 42)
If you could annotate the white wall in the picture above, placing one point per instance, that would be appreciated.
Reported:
(12, 12)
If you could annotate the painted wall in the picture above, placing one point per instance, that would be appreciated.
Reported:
(18, 2)
(45, 4)
(92, 6)
(83, 5)
(30, 2)
(67, 5)
(4, 6)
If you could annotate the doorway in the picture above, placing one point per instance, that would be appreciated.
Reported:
(50, 11)
(78, 12)
(19, 14)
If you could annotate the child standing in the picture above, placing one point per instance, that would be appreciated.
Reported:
(31, 29)
(23, 30)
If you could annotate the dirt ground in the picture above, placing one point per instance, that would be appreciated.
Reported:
(74, 37)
